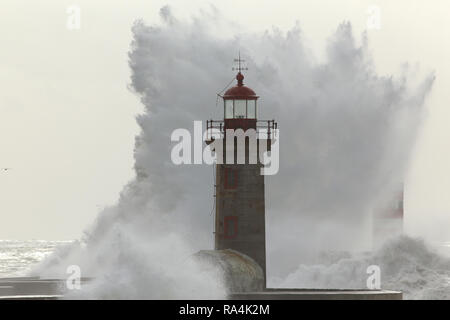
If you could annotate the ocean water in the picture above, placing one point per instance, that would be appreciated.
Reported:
(407, 264)
(17, 256)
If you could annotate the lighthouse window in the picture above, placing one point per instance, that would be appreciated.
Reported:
(239, 108)
(228, 109)
(251, 109)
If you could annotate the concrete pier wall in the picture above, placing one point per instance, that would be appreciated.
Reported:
(44, 289)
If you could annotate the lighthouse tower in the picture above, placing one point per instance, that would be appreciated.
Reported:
(239, 187)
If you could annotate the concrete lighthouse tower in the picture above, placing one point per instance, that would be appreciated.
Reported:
(239, 185)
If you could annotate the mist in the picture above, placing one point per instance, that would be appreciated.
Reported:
(346, 135)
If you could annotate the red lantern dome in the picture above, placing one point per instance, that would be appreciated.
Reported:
(240, 91)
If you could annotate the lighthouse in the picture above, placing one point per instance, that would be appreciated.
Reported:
(239, 178)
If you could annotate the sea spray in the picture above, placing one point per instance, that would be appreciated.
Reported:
(406, 264)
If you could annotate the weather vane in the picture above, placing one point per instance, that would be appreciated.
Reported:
(239, 60)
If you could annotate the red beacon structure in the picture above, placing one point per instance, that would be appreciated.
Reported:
(239, 187)
(387, 219)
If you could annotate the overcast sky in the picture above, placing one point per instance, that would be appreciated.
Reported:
(67, 119)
